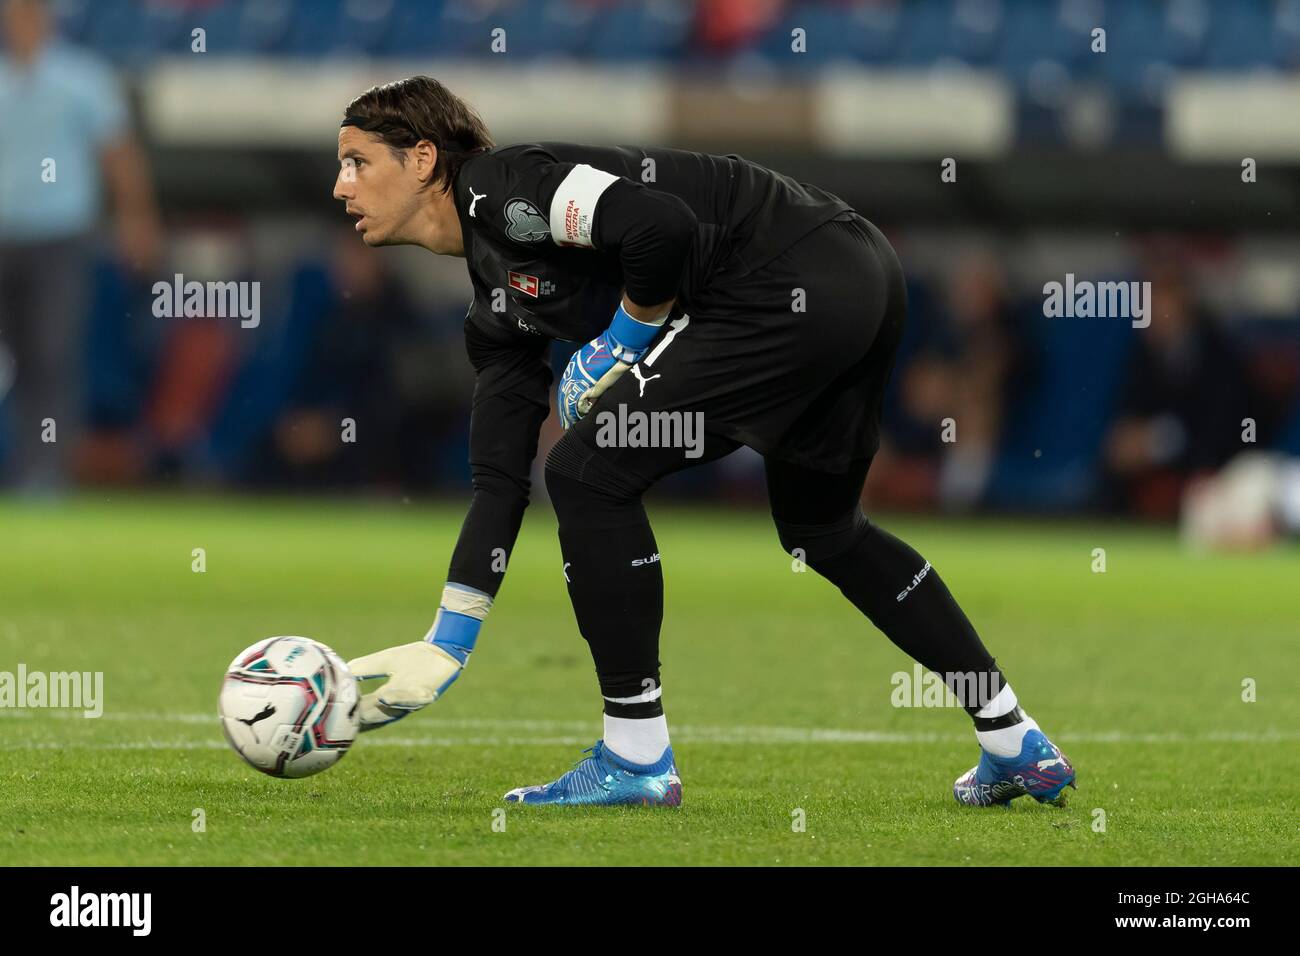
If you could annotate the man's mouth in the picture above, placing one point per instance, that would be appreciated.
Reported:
(360, 217)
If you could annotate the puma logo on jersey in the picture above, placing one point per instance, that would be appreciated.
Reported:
(643, 382)
(653, 559)
(474, 198)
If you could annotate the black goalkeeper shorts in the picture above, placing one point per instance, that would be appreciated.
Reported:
(791, 359)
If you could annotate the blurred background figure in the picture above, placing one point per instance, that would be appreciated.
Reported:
(996, 148)
(1183, 405)
(347, 417)
(64, 136)
(1251, 504)
(953, 389)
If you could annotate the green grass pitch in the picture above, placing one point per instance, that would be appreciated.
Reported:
(778, 696)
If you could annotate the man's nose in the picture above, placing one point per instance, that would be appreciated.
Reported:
(342, 187)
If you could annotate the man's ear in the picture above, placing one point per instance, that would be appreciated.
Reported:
(426, 160)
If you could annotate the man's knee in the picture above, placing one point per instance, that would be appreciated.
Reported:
(817, 544)
(580, 480)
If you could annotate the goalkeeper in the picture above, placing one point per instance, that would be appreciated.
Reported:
(700, 284)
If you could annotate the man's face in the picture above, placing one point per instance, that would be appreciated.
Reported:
(380, 191)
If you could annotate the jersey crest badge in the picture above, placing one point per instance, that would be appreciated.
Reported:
(524, 223)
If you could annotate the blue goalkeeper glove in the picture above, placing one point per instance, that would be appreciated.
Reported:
(598, 364)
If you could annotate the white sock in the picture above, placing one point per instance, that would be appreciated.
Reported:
(1004, 703)
(641, 740)
(1006, 741)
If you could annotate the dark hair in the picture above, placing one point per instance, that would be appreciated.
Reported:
(416, 108)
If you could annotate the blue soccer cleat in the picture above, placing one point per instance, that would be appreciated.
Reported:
(1041, 771)
(606, 779)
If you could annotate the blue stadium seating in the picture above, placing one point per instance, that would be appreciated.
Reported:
(1146, 39)
(631, 32)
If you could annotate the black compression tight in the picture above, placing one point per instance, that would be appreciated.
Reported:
(615, 581)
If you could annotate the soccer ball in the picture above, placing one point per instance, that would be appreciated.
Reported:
(288, 706)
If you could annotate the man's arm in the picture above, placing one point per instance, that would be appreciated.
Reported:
(511, 400)
(126, 170)
(652, 232)
(528, 198)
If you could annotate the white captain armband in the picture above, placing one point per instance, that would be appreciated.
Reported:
(573, 208)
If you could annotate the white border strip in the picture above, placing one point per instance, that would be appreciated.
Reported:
(962, 113)
(1230, 117)
(228, 101)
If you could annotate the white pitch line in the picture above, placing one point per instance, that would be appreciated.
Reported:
(211, 718)
(549, 733)
(737, 738)
(579, 730)
(222, 745)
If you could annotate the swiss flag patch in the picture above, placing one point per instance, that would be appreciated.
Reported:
(524, 283)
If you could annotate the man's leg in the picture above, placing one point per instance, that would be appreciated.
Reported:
(17, 305)
(612, 567)
(820, 515)
(615, 581)
(43, 298)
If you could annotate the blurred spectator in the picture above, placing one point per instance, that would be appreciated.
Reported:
(1251, 504)
(965, 368)
(354, 369)
(725, 25)
(64, 132)
(1182, 408)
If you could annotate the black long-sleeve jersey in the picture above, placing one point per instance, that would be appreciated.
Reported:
(554, 233)
(563, 229)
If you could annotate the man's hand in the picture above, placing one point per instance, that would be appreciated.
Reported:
(418, 674)
(598, 364)
(591, 370)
